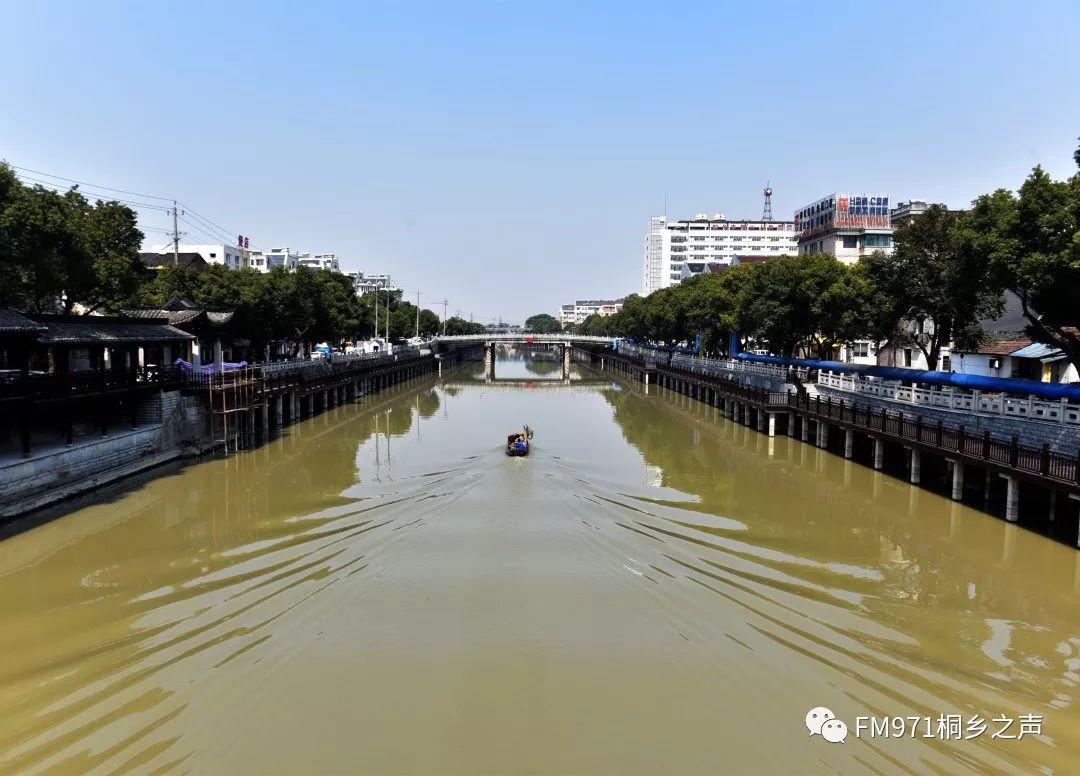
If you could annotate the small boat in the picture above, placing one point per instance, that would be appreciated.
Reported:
(517, 444)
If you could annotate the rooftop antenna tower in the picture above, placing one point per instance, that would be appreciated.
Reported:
(766, 214)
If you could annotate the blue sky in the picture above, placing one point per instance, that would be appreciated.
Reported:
(507, 155)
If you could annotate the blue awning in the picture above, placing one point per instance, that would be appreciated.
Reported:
(1036, 350)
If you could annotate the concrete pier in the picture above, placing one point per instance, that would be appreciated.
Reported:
(1012, 498)
(958, 480)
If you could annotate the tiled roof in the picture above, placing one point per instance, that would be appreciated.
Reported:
(103, 330)
(1003, 348)
(219, 319)
(173, 317)
(181, 312)
(158, 260)
(13, 322)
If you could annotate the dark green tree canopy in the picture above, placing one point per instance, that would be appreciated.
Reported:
(542, 323)
(1030, 243)
(59, 251)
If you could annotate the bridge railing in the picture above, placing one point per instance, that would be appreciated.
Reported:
(718, 367)
(526, 338)
(946, 436)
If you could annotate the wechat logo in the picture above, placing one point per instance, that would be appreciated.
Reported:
(820, 721)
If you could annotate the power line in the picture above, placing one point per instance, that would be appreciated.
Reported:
(207, 220)
(60, 189)
(226, 235)
(92, 185)
(194, 225)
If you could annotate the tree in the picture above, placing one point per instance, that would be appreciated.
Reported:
(665, 315)
(59, 250)
(931, 280)
(456, 326)
(711, 301)
(542, 323)
(595, 325)
(1031, 243)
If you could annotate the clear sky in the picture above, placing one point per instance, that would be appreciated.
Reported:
(507, 155)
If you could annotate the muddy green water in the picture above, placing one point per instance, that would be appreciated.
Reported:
(653, 590)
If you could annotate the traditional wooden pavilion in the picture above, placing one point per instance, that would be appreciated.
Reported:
(58, 370)
(216, 337)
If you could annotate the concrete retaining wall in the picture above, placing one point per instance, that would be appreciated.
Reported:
(58, 472)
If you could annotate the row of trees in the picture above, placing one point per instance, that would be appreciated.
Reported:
(948, 271)
(61, 253)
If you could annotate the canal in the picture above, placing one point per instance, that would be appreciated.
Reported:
(653, 590)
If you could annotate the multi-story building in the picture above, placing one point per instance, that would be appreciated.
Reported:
(580, 310)
(704, 240)
(319, 261)
(905, 212)
(212, 253)
(264, 261)
(369, 284)
(847, 226)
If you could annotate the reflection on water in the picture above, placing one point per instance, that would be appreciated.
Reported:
(654, 589)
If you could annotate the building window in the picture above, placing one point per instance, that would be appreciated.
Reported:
(946, 364)
(907, 357)
(860, 349)
(851, 242)
(877, 241)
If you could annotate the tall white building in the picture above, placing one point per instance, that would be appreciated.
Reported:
(847, 226)
(212, 253)
(583, 308)
(704, 240)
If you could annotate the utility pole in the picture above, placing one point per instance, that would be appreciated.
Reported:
(175, 236)
(376, 334)
(418, 313)
(388, 292)
(444, 303)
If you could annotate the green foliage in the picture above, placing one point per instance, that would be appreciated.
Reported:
(458, 326)
(305, 306)
(1031, 244)
(930, 279)
(60, 250)
(542, 323)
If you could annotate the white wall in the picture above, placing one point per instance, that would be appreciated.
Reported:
(212, 253)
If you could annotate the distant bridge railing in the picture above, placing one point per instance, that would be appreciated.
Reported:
(526, 338)
(307, 367)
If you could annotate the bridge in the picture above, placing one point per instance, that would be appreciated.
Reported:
(564, 342)
(524, 338)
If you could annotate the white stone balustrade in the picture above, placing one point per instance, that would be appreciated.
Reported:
(957, 399)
